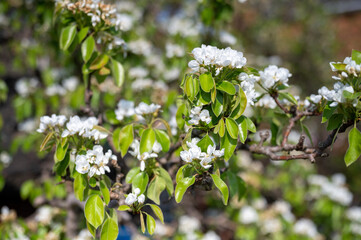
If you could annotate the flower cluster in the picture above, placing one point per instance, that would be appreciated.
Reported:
(272, 75)
(351, 68)
(247, 85)
(157, 148)
(135, 197)
(336, 95)
(144, 108)
(54, 122)
(125, 109)
(84, 128)
(94, 162)
(209, 56)
(195, 153)
(197, 114)
(26, 86)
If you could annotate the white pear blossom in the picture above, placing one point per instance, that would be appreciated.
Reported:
(134, 197)
(336, 95)
(174, 50)
(141, 84)
(71, 83)
(306, 227)
(138, 72)
(354, 214)
(248, 215)
(54, 122)
(266, 101)
(212, 56)
(135, 152)
(272, 75)
(247, 85)
(144, 108)
(125, 109)
(197, 114)
(84, 128)
(26, 86)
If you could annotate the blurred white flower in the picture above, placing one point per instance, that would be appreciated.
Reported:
(248, 215)
(305, 227)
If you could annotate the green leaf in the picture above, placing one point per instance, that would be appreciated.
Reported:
(327, 113)
(94, 210)
(182, 110)
(46, 140)
(227, 87)
(288, 96)
(217, 106)
(354, 146)
(243, 130)
(204, 97)
(61, 166)
(250, 125)
(157, 211)
(87, 48)
(99, 62)
(124, 208)
(156, 187)
(275, 130)
(124, 138)
(229, 144)
(67, 36)
(142, 225)
(307, 131)
(79, 185)
(82, 34)
(182, 186)
(232, 128)
(147, 140)
(339, 66)
(61, 151)
(204, 143)
(356, 56)
(163, 138)
(206, 81)
(140, 181)
(183, 172)
(91, 229)
(240, 105)
(191, 87)
(222, 128)
(222, 186)
(167, 179)
(118, 72)
(105, 192)
(236, 185)
(335, 121)
(150, 224)
(131, 174)
(109, 230)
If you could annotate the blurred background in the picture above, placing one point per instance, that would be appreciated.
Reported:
(36, 79)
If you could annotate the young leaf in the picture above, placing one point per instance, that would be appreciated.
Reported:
(250, 125)
(334, 122)
(222, 187)
(204, 143)
(118, 72)
(232, 128)
(167, 179)
(67, 36)
(124, 208)
(183, 172)
(217, 106)
(227, 87)
(61, 151)
(243, 130)
(109, 230)
(94, 210)
(354, 146)
(229, 144)
(163, 139)
(142, 225)
(156, 187)
(99, 62)
(182, 187)
(80, 185)
(140, 181)
(46, 140)
(356, 56)
(289, 97)
(327, 113)
(150, 224)
(240, 105)
(82, 34)
(147, 140)
(87, 48)
(236, 185)
(124, 139)
(131, 174)
(222, 128)
(207, 82)
(105, 192)
(191, 87)
(157, 211)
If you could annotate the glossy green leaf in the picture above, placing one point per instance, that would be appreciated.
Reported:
(99, 62)
(354, 146)
(182, 187)
(183, 172)
(87, 48)
(222, 128)
(142, 225)
(222, 186)
(204, 143)
(79, 185)
(240, 105)
(232, 128)
(236, 185)
(60, 167)
(335, 121)
(243, 130)
(140, 181)
(227, 87)
(147, 140)
(118, 72)
(131, 174)
(124, 138)
(250, 125)
(156, 187)
(167, 179)
(204, 97)
(67, 36)
(91, 229)
(327, 113)
(61, 151)
(163, 139)
(229, 144)
(182, 110)
(206, 81)
(46, 140)
(82, 34)
(191, 87)
(150, 224)
(356, 56)
(109, 230)
(105, 192)
(94, 210)
(217, 106)
(289, 97)
(124, 208)
(157, 211)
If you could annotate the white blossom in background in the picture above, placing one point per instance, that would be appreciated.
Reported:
(140, 47)
(197, 114)
(219, 58)
(284, 209)
(174, 50)
(259, 203)
(182, 25)
(134, 197)
(355, 228)
(211, 235)
(54, 122)
(125, 109)
(227, 38)
(354, 214)
(160, 85)
(188, 224)
(44, 215)
(123, 21)
(305, 227)
(272, 75)
(144, 108)
(266, 101)
(248, 215)
(94, 162)
(26, 86)
(71, 83)
(272, 225)
(171, 74)
(28, 125)
(138, 72)
(173, 120)
(247, 85)
(84, 128)
(141, 84)
(55, 89)
(84, 235)
(336, 95)
(5, 158)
